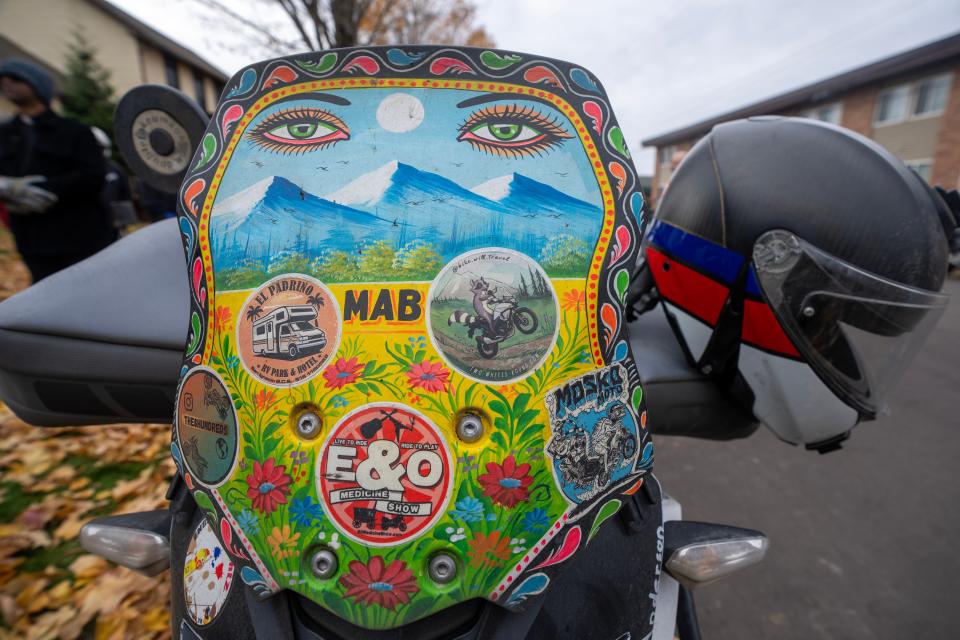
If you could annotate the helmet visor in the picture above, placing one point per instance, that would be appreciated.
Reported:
(857, 330)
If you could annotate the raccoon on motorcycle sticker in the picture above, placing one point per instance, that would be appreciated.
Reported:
(595, 434)
(206, 427)
(492, 314)
(385, 473)
(288, 329)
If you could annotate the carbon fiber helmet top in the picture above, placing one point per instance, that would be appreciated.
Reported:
(408, 271)
(804, 260)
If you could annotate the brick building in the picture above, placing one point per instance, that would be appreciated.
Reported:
(909, 103)
(133, 52)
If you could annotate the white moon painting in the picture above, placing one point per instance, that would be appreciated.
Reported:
(400, 112)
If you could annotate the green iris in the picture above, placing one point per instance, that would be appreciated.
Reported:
(304, 130)
(505, 131)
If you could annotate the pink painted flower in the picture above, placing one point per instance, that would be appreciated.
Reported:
(377, 583)
(342, 373)
(268, 485)
(429, 376)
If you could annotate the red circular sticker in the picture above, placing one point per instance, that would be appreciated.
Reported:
(385, 474)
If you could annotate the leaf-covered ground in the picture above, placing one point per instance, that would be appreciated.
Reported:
(52, 481)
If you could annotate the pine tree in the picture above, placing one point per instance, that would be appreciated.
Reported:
(87, 94)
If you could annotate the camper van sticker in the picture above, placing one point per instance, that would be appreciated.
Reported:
(385, 473)
(493, 315)
(206, 427)
(207, 575)
(595, 434)
(287, 330)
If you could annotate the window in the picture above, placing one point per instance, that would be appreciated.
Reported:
(198, 90)
(666, 153)
(825, 113)
(892, 104)
(932, 95)
(923, 168)
(285, 330)
(923, 98)
(170, 69)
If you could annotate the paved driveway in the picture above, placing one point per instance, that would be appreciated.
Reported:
(865, 542)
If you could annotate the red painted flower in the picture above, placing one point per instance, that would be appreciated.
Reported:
(376, 583)
(221, 319)
(429, 376)
(268, 486)
(264, 398)
(342, 373)
(506, 484)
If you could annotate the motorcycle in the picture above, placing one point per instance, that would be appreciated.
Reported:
(496, 318)
(494, 545)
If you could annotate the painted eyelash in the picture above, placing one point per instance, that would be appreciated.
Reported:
(296, 115)
(553, 134)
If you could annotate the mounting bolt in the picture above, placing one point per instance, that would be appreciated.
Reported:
(308, 425)
(469, 427)
(442, 568)
(323, 564)
(809, 312)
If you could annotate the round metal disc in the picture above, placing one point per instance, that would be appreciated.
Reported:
(157, 129)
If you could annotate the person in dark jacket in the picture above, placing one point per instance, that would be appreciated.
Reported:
(51, 175)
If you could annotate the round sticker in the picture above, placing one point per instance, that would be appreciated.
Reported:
(385, 474)
(492, 314)
(288, 329)
(206, 426)
(207, 575)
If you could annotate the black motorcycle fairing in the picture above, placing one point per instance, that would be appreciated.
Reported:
(100, 342)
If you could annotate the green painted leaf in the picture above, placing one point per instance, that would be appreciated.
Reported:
(605, 513)
(271, 429)
(250, 452)
(615, 136)
(203, 500)
(194, 332)
(498, 439)
(209, 145)
(637, 398)
(496, 61)
(323, 65)
(621, 281)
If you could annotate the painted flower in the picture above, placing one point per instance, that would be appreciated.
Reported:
(506, 483)
(248, 522)
(303, 511)
(282, 542)
(342, 373)
(264, 398)
(456, 535)
(508, 391)
(536, 521)
(377, 583)
(488, 550)
(268, 485)
(429, 376)
(339, 401)
(468, 509)
(221, 319)
(233, 362)
(572, 300)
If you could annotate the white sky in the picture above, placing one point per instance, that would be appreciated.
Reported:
(666, 63)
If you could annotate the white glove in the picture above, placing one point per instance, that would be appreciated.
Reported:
(24, 197)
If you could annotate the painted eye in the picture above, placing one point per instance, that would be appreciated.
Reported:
(298, 130)
(512, 131)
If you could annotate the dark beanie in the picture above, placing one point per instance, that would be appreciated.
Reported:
(35, 76)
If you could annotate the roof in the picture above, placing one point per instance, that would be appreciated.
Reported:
(914, 59)
(160, 41)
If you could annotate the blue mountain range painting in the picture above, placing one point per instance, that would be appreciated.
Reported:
(399, 204)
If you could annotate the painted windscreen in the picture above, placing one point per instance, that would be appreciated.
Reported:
(384, 241)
